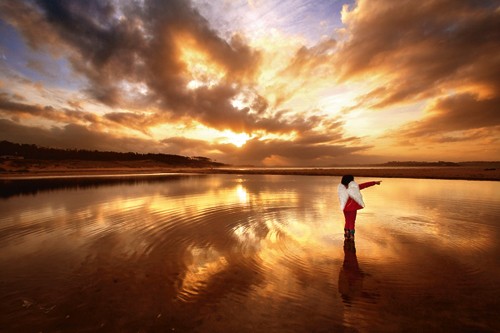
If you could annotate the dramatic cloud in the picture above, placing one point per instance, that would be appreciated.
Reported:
(308, 67)
(462, 112)
(297, 153)
(286, 83)
(422, 48)
(16, 110)
(456, 113)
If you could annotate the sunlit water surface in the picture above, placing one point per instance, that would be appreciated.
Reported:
(225, 253)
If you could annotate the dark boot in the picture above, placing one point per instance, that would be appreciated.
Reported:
(347, 234)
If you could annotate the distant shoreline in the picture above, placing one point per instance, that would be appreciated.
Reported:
(461, 173)
(25, 161)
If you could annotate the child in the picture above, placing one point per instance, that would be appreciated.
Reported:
(351, 201)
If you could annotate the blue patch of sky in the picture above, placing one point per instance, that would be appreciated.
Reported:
(11, 45)
(312, 19)
(35, 65)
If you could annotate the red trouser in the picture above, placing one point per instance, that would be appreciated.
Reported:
(350, 219)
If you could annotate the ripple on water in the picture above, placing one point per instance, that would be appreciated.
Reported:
(254, 255)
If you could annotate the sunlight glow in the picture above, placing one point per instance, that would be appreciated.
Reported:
(253, 82)
(265, 136)
(134, 89)
(197, 131)
(205, 263)
(241, 192)
(202, 70)
(237, 139)
(194, 84)
(239, 102)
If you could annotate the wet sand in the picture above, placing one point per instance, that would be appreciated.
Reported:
(248, 253)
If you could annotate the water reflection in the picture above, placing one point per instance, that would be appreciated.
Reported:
(249, 253)
(360, 293)
(351, 276)
(31, 186)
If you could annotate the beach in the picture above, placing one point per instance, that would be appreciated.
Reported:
(246, 253)
(26, 169)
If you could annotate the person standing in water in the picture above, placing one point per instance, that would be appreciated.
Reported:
(351, 201)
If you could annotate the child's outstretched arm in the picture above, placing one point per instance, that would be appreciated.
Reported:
(368, 184)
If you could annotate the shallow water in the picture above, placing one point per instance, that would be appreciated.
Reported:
(226, 253)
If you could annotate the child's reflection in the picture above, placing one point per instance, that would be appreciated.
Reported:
(351, 276)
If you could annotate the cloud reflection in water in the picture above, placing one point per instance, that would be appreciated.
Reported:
(212, 253)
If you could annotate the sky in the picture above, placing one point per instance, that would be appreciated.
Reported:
(255, 82)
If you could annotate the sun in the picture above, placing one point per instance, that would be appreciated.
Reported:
(237, 139)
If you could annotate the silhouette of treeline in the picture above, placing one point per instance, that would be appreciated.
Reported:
(9, 150)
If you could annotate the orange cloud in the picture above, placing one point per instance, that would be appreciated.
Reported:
(451, 114)
(160, 63)
(420, 49)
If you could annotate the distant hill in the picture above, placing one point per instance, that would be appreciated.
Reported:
(418, 164)
(440, 164)
(16, 151)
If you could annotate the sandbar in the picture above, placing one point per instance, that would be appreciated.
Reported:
(102, 169)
